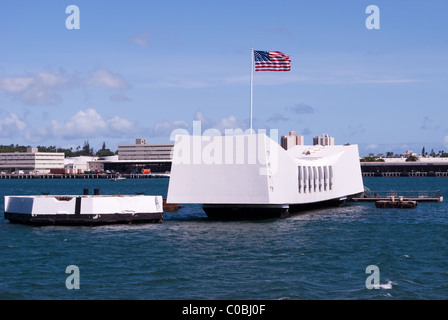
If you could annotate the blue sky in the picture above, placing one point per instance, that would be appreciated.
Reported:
(140, 69)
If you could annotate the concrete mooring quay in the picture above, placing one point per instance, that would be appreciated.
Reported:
(405, 169)
(83, 176)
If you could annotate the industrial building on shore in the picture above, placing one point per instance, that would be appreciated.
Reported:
(142, 157)
(132, 158)
(31, 161)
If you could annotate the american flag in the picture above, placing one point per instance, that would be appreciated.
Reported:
(271, 61)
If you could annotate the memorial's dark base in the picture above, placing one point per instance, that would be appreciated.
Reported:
(239, 212)
(84, 219)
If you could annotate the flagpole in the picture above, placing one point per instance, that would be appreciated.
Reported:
(251, 86)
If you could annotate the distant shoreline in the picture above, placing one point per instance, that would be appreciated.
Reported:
(83, 176)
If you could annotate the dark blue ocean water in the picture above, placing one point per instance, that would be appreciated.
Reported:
(322, 254)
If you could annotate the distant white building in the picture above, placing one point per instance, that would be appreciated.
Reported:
(325, 140)
(142, 151)
(409, 153)
(83, 163)
(292, 140)
(31, 161)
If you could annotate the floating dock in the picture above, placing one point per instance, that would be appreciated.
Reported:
(84, 176)
(422, 168)
(417, 196)
(400, 204)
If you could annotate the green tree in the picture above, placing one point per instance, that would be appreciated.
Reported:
(104, 152)
(371, 159)
(411, 159)
(86, 149)
(432, 154)
(12, 148)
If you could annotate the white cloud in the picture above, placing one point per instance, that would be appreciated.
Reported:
(89, 123)
(225, 123)
(84, 123)
(10, 124)
(206, 123)
(15, 85)
(118, 126)
(46, 87)
(37, 135)
(445, 141)
(228, 123)
(165, 128)
(141, 39)
(41, 88)
(103, 78)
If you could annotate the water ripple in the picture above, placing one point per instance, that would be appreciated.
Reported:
(320, 254)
